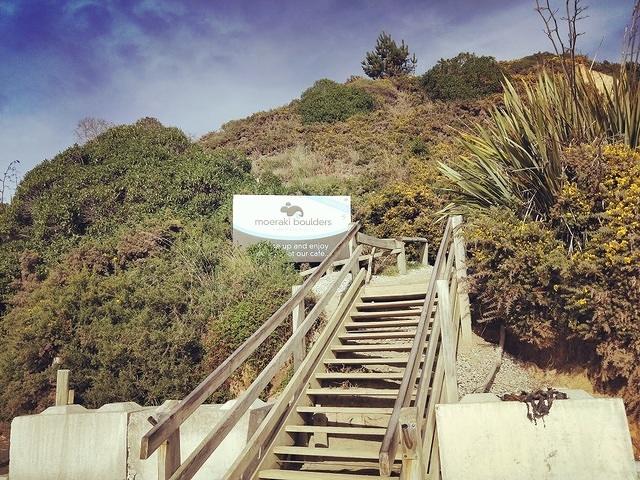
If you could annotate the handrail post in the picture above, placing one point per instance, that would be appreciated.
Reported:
(169, 451)
(463, 285)
(62, 388)
(298, 315)
(402, 257)
(413, 465)
(448, 342)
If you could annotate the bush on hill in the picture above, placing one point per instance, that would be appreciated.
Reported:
(327, 101)
(463, 77)
(116, 258)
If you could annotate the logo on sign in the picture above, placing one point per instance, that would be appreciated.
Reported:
(292, 210)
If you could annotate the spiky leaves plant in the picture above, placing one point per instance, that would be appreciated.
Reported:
(515, 159)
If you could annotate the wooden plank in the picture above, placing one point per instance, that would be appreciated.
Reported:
(379, 295)
(378, 347)
(463, 283)
(161, 432)
(385, 243)
(359, 376)
(62, 387)
(367, 361)
(353, 392)
(345, 410)
(301, 475)
(352, 453)
(398, 304)
(297, 318)
(358, 431)
(449, 341)
(414, 312)
(258, 443)
(381, 324)
(376, 335)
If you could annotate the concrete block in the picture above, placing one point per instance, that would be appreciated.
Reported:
(583, 439)
(76, 445)
(480, 398)
(192, 432)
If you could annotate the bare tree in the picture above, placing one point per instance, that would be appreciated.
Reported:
(565, 48)
(9, 177)
(631, 48)
(89, 128)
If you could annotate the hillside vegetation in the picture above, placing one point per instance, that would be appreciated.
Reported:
(116, 257)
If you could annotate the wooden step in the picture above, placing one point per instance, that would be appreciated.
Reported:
(361, 431)
(359, 376)
(301, 475)
(345, 410)
(353, 392)
(376, 335)
(375, 347)
(398, 304)
(330, 452)
(366, 361)
(393, 297)
(382, 324)
(385, 314)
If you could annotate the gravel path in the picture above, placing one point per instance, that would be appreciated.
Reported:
(475, 363)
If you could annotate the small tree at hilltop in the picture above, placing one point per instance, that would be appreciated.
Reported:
(463, 77)
(388, 59)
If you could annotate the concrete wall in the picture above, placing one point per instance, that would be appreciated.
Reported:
(73, 443)
(581, 438)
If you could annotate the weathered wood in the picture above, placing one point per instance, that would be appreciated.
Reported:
(297, 319)
(339, 263)
(413, 466)
(463, 283)
(72, 397)
(384, 243)
(449, 342)
(169, 456)
(390, 441)
(302, 475)
(161, 432)
(398, 304)
(335, 430)
(258, 442)
(381, 324)
(401, 259)
(372, 255)
(213, 439)
(62, 387)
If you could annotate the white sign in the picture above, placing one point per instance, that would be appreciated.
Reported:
(306, 227)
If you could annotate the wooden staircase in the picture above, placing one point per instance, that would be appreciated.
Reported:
(362, 399)
(336, 427)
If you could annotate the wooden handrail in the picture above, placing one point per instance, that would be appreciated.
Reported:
(215, 437)
(170, 423)
(390, 442)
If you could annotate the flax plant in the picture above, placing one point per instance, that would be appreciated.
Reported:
(516, 158)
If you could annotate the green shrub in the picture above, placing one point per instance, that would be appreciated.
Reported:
(463, 77)
(328, 101)
(517, 274)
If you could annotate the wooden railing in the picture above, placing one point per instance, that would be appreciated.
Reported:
(164, 436)
(445, 321)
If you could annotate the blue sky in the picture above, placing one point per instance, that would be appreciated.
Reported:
(196, 64)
